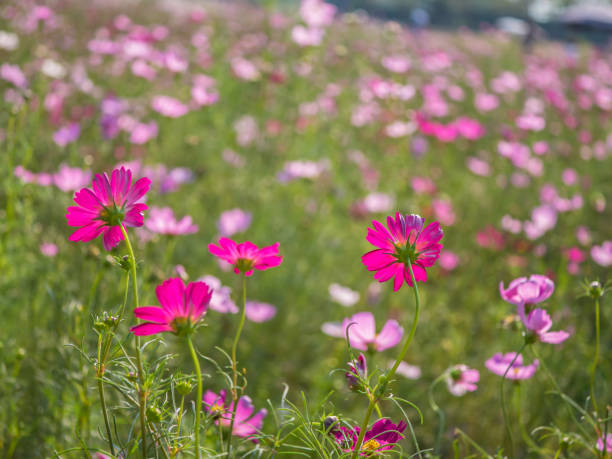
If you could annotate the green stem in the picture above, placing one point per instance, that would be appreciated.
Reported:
(178, 424)
(472, 442)
(100, 374)
(196, 364)
(524, 434)
(503, 400)
(141, 394)
(438, 410)
(235, 366)
(389, 376)
(595, 359)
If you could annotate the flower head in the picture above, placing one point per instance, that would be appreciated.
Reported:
(608, 445)
(361, 329)
(246, 256)
(382, 436)
(246, 424)
(534, 289)
(103, 209)
(406, 242)
(161, 220)
(461, 379)
(257, 311)
(358, 371)
(538, 322)
(499, 363)
(182, 307)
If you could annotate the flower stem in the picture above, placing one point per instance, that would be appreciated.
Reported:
(99, 374)
(400, 357)
(141, 394)
(595, 359)
(235, 366)
(503, 400)
(196, 364)
(178, 426)
(439, 412)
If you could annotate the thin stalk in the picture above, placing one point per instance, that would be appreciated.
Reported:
(389, 376)
(472, 442)
(100, 373)
(595, 359)
(438, 410)
(524, 434)
(503, 400)
(141, 394)
(178, 423)
(235, 365)
(196, 364)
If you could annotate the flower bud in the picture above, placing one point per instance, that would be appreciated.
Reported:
(183, 387)
(154, 414)
(595, 290)
(330, 423)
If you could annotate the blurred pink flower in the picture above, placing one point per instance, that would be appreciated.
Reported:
(406, 370)
(317, 13)
(362, 333)
(67, 134)
(220, 407)
(607, 447)
(602, 254)
(539, 322)
(569, 177)
(14, 75)
(461, 379)
(71, 178)
(443, 211)
(161, 220)
(169, 106)
(256, 311)
(48, 249)
(485, 102)
(448, 260)
(244, 69)
(423, 185)
(301, 169)
(233, 221)
(512, 225)
(499, 363)
(377, 202)
(221, 300)
(246, 256)
(109, 204)
(307, 36)
(478, 166)
(343, 295)
(396, 64)
(523, 290)
(141, 133)
(182, 308)
(247, 130)
(407, 240)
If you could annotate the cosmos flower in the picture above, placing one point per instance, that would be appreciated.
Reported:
(608, 445)
(523, 290)
(538, 322)
(362, 332)
(602, 254)
(48, 249)
(182, 307)
(499, 363)
(220, 407)
(259, 312)
(71, 178)
(161, 220)
(461, 379)
(382, 436)
(407, 240)
(233, 221)
(343, 295)
(246, 256)
(111, 203)
(221, 300)
(358, 371)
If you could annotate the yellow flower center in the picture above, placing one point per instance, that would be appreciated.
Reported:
(370, 445)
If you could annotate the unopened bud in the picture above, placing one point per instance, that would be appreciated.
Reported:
(330, 423)
(154, 414)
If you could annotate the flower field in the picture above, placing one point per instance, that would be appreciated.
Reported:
(232, 231)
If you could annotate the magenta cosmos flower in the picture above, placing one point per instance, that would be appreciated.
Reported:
(538, 322)
(246, 256)
(111, 203)
(246, 424)
(358, 371)
(523, 290)
(382, 436)
(499, 363)
(461, 379)
(182, 307)
(405, 241)
(362, 332)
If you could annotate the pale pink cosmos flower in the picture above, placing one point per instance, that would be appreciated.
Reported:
(396, 64)
(246, 256)
(485, 102)
(246, 129)
(461, 379)
(259, 312)
(377, 202)
(233, 221)
(317, 13)
(221, 407)
(423, 185)
(221, 300)
(448, 260)
(406, 241)
(301, 169)
(607, 447)
(532, 290)
(361, 330)
(499, 363)
(182, 308)
(343, 295)
(583, 235)
(169, 106)
(406, 370)
(71, 178)
(141, 133)
(161, 220)
(602, 254)
(244, 69)
(67, 134)
(111, 203)
(478, 166)
(569, 177)
(307, 36)
(48, 249)
(443, 211)
(512, 225)
(14, 75)
(539, 322)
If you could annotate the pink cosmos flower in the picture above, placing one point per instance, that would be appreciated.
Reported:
(407, 240)
(109, 204)
(161, 220)
(406, 370)
(382, 436)
(343, 295)
(48, 249)
(523, 290)
(67, 134)
(14, 75)
(602, 254)
(182, 307)
(307, 36)
(233, 221)
(461, 379)
(499, 363)
(141, 133)
(539, 322)
(362, 332)
(607, 447)
(246, 256)
(259, 312)
(317, 13)
(220, 407)
(358, 371)
(449, 260)
(221, 300)
(71, 178)
(169, 106)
